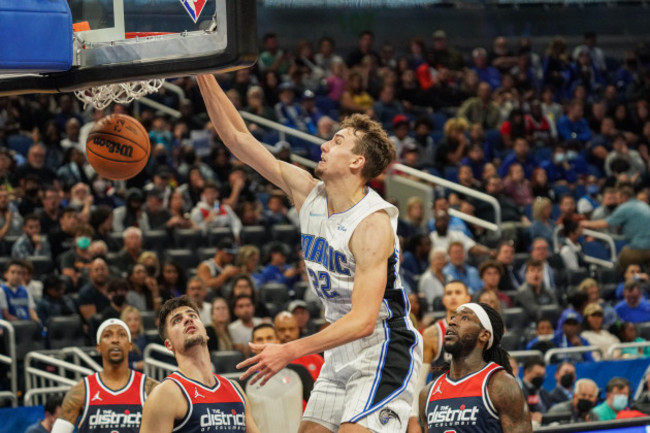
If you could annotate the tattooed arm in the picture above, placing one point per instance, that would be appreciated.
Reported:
(508, 400)
(149, 385)
(71, 408)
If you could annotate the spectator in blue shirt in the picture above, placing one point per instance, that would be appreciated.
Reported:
(520, 153)
(458, 269)
(558, 169)
(52, 411)
(568, 335)
(16, 303)
(632, 216)
(573, 125)
(277, 270)
(485, 72)
(633, 308)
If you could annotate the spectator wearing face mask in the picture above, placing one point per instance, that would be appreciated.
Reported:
(76, 261)
(537, 398)
(116, 293)
(565, 375)
(558, 168)
(618, 391)
(589, 201)
(578, 408)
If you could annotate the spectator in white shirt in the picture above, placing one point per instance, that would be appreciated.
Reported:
(210, 212)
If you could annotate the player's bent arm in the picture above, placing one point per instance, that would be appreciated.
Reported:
(251, 427)
(149, 385)
(430, 340)
(165, 405)
(294, 181)
(508, 400)
(71, 407)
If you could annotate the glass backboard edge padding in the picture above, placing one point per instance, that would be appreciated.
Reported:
(109, 33)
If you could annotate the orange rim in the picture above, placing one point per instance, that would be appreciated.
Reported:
(133, 35)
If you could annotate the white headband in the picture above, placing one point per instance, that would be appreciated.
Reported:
(482, 317)
(106, 323)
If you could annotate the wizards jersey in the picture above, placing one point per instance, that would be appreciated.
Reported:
(463, 406)
(219, 408)
(108, 411)
(329, 261)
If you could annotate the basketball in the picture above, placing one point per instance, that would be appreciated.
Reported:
(118, 147)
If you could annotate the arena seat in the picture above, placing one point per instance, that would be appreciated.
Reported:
(28, 337)
(515, 319)
(254, 235)
(189, 238)
(276, 293)
(118, 238)
(299, 289)
(608, 276)
(206, 253)
(65, 331)
(512, 340)
(575, 277)
(551, 312)
(156, 240)
(43, 265)
(225, 361)
(149, 320)
(185, 257)
(286, 233)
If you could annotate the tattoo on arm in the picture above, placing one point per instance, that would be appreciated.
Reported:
(509, 403)
(149, 385)
(73, 403)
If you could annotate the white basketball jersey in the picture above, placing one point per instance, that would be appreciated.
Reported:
(329, 261)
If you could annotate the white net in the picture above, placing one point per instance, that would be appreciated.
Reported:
(121, 93)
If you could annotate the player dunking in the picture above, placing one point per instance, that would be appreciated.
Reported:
(478, 393)
(193, 399)
(111, 399)
(349, 242)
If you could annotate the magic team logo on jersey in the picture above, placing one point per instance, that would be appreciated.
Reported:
(108, 418)
(317, 250)
(445, 416)
(225, 418)
(194, 8)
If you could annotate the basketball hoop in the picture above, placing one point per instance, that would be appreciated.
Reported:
(121, 93)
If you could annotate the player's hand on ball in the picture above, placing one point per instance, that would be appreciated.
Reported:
(270, 359)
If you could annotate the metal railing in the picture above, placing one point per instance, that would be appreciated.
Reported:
(10, 360)
(495, 226)
(37, 378)
(155, 368)
(526, 354)
(79, 356)
(548, 357)
(36, 397)
(618, 346)
(594, 234)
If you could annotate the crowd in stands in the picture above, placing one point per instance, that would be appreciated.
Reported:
(560, 136)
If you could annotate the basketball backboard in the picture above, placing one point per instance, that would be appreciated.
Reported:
(117, 41)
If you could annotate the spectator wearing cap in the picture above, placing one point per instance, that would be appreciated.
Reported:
(157, 214)
(210, 212)
(277, 270)
(387, 108)
(132, 214)
(298, 308)
(400, 137)
(593, 332)
(76, 261)
(290, 113)
(444, 55)
(308, 102)
(532, 294)
(633, 308)
(633, 216)
(481, 109)
(54, 302)
(568, 335)
(218, 270)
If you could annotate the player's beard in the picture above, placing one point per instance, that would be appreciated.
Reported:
(462, 346)
(116, 361)
(195, 340)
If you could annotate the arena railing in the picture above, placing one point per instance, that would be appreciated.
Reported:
(155, 368)
(38, 397)
(608, 239)
(634, 345)
(526, 354)
(10, 360)
(36, 376)
(548, 357)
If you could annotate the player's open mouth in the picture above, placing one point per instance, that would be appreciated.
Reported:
(191, 328)
(115, 350)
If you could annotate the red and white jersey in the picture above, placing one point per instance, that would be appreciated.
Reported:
(463, 406)
(219, 408)
(110, 411)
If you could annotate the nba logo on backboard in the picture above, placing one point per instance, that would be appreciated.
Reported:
(194, 8)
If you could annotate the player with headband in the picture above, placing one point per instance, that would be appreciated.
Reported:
(110, 400)
(478, 391)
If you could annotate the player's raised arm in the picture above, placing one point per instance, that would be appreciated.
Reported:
(509, 402)
(70, 409)
(162, 407)
(295, 182)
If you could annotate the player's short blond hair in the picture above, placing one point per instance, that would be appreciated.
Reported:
(372, 142)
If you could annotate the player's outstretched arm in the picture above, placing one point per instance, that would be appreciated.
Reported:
(165, 404)
(509, 402)
(70, 409)
(294, 181)
(371, 244)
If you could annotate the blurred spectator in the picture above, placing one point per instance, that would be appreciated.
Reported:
(326, 55)
(454, 144)
(510, 279)
(81, 201)
(520, 154)
(93, 295)
(568, 335)
(632, 215)
(116, 292)
(539, 127)
(197, 292)
(36, 167)
(573, 125)
(501, 56)
(51, 212)
(132, 214)
(16, 303)
(73, 171)
(594, 333)
(544, 333)
(431, 284)
(578, 407)
(272, 57)
(241, 329)
(557, 67)
(486, 73)
(517, 187)
(558, 168)
(286, 327)
(30, 201)
(31, 242)
(243, 284)
(129, 254)
(218, 335)
(589, 201)
(101, 220)
(133, 319)
(466, 178)
(608, 204)
(298, 309)
(144, 293)
(514, 128)
(571, 251)
(157, 215)
(54, 302)
(533, 293)
(172, 280)
(458, 269)
(536, 396)
(481, 109)
(52, 413)
(565, 376)
(595, 54)
(632, 272)
(217, 271)
(355, 98)
(440, 203)
(290, 113)
(11, 223)
(491, 272)
(248, 259)
(539, 184)
(364, 48)
(416, 257)
(627, 333)
(400, 137)
(633, 308)
(444, 235)
(624, 160)
(444, 55)
(387, 109)
(75, 262)
(179, 217)
(412, 223)
(210, 212)
(590, 287)
(510, 212)
(277, 270)
(616, 400)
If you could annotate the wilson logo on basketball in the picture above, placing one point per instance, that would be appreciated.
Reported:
(114, 147)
